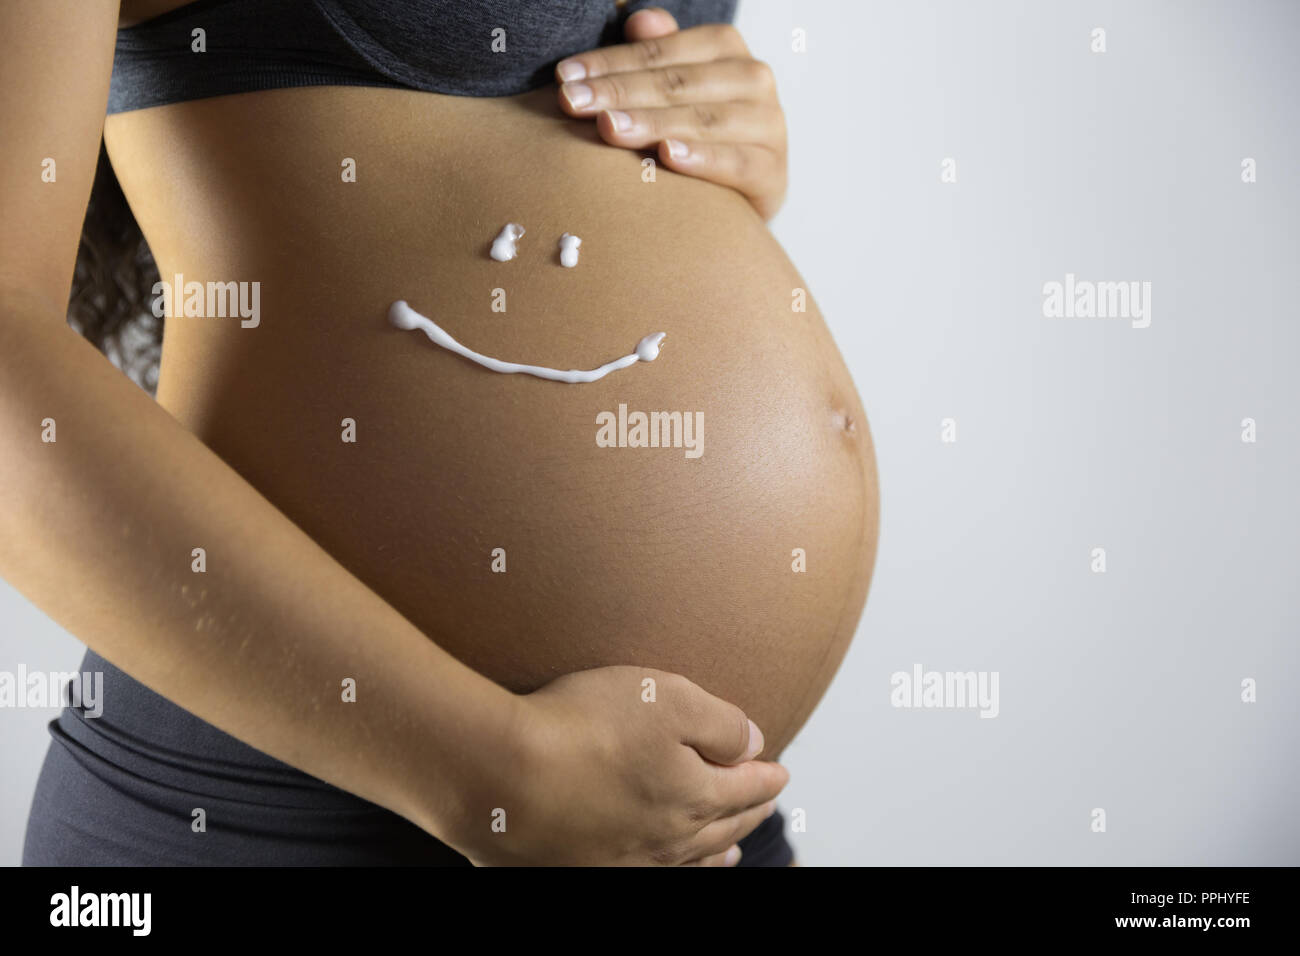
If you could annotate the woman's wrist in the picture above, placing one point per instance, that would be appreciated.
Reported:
(463, 760)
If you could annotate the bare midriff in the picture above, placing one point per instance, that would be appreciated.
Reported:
(612, 555)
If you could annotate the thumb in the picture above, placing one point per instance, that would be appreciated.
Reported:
(649, 24)
(719, 731)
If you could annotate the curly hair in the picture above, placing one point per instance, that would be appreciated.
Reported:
(112, 286)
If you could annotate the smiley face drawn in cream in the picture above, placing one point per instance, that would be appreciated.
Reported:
(403, 316)
(569, 250)
(503, 246)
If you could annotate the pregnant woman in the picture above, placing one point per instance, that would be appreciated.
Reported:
(380, 602)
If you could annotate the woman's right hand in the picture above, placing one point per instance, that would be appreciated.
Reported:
(599, 774)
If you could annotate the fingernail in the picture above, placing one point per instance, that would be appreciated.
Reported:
(622, 122)
(769, 808)
(677, 150)
(578, 94)
(755, 735)
(570, 70)
(732, 857)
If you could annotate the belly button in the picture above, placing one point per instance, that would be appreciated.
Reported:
(844, 421)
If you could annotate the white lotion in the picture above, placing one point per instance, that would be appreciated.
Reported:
(404, 317)
(569, 250)
(503, 246)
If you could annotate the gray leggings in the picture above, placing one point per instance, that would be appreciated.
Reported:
(121, 790)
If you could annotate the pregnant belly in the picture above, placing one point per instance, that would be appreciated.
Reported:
(530, 527)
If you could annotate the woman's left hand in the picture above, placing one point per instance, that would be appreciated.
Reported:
(697, 93)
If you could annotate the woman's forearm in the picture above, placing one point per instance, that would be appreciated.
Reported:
(99, 529)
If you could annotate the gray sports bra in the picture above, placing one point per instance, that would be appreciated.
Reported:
(464, 47)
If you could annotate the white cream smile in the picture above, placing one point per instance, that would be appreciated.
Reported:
(404, 317)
